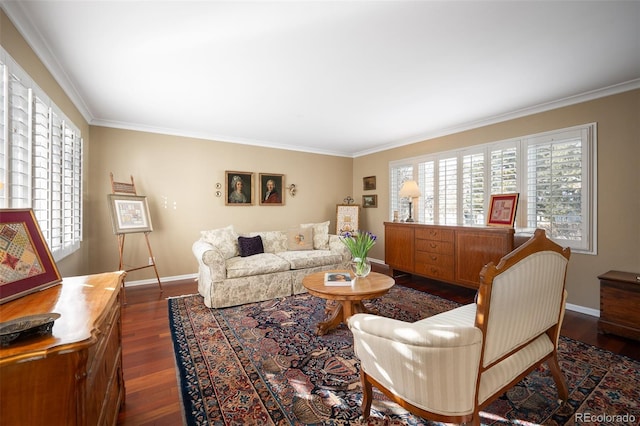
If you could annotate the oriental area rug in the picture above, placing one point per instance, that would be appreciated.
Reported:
(263, 364)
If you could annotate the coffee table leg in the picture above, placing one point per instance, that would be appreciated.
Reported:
(336, 316)
(339, 312)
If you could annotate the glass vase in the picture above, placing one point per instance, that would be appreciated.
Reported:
(360, 266)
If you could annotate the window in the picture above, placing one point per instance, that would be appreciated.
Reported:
(554, 173)
(40, 159)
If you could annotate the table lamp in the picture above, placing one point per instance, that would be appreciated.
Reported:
(410, 190)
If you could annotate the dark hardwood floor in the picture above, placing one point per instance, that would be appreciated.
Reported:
(149, 366)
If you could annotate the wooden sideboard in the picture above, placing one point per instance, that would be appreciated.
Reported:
(73, 376)
(453, 254)
(619, 302)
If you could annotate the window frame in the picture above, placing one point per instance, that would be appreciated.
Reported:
(518, 165)
(57, 203)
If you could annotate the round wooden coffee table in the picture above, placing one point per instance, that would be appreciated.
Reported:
(344, 301)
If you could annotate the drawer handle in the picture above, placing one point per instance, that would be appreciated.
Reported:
(434, 257)
(433, 245)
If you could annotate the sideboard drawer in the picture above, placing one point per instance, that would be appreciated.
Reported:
(435, 271)
(445, 261)
(432, 246)
(436, 234)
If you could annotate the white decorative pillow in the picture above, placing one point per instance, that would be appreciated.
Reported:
(320, 234)
(224, 239)
(300, 239)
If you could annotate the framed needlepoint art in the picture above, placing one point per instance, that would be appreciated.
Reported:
(26, 264)
(347, 218)
(129, 214)
(502, 210)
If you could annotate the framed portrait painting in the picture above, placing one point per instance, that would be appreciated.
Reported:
(502, 210)
(239, 188)
(271, 189)
(129, 214)
(347, 218)
(26, 264)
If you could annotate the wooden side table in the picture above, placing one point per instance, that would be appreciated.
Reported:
(620, 304)
(345, 301)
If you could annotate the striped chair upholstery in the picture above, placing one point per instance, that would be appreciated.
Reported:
(447, 367)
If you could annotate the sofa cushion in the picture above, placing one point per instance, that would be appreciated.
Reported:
(274, 241)
(224, 239)
(320, 234)
(300, 239)
(310, 259)
(250, 245)
(263, 263)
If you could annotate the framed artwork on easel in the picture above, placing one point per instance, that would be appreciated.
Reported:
(129, 214)
(347, 218)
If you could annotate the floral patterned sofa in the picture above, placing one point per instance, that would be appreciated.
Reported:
(234, 269)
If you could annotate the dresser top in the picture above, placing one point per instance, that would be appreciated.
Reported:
(82, 303)
(626, 277)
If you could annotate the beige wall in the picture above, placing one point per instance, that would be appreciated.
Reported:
(182, 172)
(618, 208)
(178, 175)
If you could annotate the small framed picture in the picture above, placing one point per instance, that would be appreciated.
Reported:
(27, 265)
(369, 201)
(271, 189)
(369, 183)
(239, 188)
(129, 214)
(502, 210)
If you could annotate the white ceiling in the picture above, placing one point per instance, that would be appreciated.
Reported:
(335, 77)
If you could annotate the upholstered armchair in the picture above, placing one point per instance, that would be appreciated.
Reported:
(449, 366)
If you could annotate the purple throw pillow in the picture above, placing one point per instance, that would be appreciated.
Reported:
(250, 245)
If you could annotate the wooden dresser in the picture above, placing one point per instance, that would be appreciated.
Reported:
(453, 254)
(619, 304)
(74, 376)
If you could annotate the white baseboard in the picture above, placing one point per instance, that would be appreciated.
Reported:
(583, 310)
(569, 306)
(162, 280)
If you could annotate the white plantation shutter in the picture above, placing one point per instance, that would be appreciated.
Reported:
(557, 180)
(426, 183)
(473, 188)
(4, 78)
(41, 168)
(19, 146)
(41, 160)
(448, 191)
(503, 176)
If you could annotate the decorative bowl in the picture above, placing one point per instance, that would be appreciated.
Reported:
(28, 326)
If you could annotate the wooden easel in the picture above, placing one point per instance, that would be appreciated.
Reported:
(130, 188)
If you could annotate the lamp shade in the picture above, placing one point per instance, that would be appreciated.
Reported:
(410, 189)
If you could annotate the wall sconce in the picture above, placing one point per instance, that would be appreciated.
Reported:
(292, 189)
